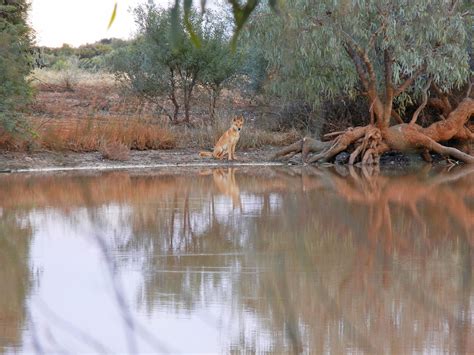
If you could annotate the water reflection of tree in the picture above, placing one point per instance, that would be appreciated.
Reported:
(406, 277)
(374, 261)
(15, 278)
(325, 259)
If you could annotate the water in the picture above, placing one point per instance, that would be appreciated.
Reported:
(247, 259)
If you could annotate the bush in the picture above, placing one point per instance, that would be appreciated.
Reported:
(15, 64)
(114, 150)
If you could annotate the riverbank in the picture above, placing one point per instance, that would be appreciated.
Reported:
(53, 160)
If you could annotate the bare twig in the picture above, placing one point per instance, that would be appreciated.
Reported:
(332, 134)
(469, 89)
(371, 111)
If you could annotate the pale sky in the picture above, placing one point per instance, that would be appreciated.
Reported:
(78, 22)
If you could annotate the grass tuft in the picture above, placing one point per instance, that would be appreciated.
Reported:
(114, 151)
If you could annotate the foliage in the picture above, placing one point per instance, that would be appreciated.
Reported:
(15, 41)
(220, 63)
(163, 60)
(240, 11)
(313, 59)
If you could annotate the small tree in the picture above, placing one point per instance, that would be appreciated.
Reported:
(15, 60)
(221, 63)
(134, 66)
(164, 61)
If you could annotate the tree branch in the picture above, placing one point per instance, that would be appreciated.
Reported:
(423, 104)
(469, 89)
(443, 99)
(397, 117)
(454, 4)
(374, 35)
(406, 84)
(388, 65)
(362, 54)
(357, 62)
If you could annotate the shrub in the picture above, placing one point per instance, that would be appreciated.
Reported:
(114, 150)
(15, 60)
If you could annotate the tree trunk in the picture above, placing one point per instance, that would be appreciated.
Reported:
(188, 91)
(186, 107)
(172, 96)
(176, 108)
(214, 93)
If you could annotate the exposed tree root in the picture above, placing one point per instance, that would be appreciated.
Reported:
(370, 142)
(339, 144)
(305, 146)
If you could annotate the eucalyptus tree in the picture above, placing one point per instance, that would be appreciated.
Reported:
(387, 50)
(15, 63)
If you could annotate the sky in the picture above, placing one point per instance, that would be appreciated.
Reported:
(77, 22)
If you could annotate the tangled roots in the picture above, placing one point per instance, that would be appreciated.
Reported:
(369, 147)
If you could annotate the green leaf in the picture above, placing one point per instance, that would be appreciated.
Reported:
(112, 18)
(175, 22)
(241, 15)
(188, 25)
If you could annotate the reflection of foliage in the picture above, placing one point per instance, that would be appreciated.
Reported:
(15, 278)
(320, 259)
(356, 241)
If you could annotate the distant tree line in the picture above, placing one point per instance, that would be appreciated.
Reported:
(91, 57)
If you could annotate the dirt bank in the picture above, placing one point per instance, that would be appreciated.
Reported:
(52, 160)
(12, 161)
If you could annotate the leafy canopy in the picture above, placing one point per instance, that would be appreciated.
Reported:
(308, 46)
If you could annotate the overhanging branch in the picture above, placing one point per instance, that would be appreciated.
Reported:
(409, 81)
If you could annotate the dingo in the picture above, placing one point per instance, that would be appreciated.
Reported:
(227, 142)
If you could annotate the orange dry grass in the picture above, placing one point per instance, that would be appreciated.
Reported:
(11, 142)
(89, 134)
(115, 151)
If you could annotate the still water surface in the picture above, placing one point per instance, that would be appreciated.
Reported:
(254, 259)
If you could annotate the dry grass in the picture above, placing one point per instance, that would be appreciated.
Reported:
(257, 138)
(79, 111)
(15, 143)
(250, 137)
(89, 134)
(114, 151)
(70, 79)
